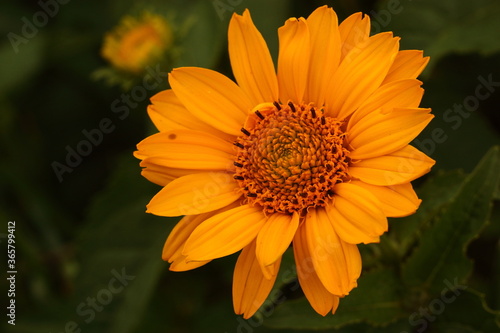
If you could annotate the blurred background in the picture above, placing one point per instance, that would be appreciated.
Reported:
(88, 257)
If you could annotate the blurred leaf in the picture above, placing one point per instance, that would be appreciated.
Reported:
(19, 59)
(119, 237)
(467, 313)
(374, 301)
(441, 253)
(205, 37)
(444, 27)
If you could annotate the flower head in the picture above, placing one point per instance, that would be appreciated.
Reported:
(316, 155)
(137, 42)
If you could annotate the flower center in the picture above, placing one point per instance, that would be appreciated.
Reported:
(290, 157)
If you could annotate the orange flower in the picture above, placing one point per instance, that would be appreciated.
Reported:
(137, 42)
(317, 156)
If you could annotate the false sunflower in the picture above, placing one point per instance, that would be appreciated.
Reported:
(137, 42)
(315, 155)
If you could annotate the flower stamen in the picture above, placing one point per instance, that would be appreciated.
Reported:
(257, 112)
(247, 133)
(277, 105)
(239, 145)
(289, 160)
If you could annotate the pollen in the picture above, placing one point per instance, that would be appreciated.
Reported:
(290, 157)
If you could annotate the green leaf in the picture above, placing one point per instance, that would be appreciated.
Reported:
(468, 312)
(435, 193)
(440, 28)
(440, 255)
(405, 232)
(375, 301)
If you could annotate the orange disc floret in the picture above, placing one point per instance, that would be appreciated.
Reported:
(291, 158)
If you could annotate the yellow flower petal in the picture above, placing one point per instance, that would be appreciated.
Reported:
(360, 74)
(250, 286)
(396, 200)
(356, 215)
(324, 53)
(172, 250)
(293, 60)
(186, 149)
(397, 94)
(211, 97)
(274, 238)
(379, 134)
(160, 113)
(354, 31)
(194, 194)
(335, 303)
(224, 233)
(161, 175)
(337, 263)
(318, 296)
(251, 61)
(181, 265)
(180, 233)
(407, 65)
(168, 113)
(158, 178)
(401, 166)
